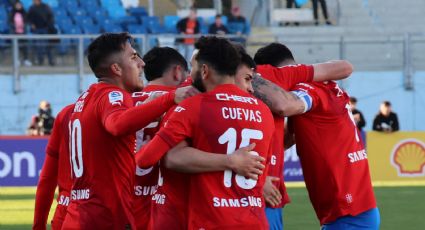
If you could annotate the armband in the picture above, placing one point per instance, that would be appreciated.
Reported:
(305, 98)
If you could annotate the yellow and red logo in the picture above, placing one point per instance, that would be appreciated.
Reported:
(408, 157)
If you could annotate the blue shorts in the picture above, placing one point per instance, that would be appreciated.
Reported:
(369, 220)
(274, 217)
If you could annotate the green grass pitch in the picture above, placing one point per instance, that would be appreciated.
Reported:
(400, 207)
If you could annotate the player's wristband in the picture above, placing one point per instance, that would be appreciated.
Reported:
(305, 98)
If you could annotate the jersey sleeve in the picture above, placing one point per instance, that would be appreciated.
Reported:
(176, 129)
(45, 192)
(112, 101)
(53, 145)
(287, 76)
(179, 125)
(308, 94)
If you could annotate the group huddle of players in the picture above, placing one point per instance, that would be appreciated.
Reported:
(204, 151)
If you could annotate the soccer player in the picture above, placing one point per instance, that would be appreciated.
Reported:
(55, 172)
(334, 159)
(286, 76)
(172, 191)
(218, 121)
(103, 126)
(165, 69)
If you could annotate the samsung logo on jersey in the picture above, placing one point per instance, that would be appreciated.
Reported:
(227, 97)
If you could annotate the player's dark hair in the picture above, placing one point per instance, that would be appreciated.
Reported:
(218, 53)
(103, 47)
(353, 100)
(159, 59)
(273, 54)
(246, 59)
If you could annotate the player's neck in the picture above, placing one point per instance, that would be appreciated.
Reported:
(112, 81)
(220, 80)
(162, 81)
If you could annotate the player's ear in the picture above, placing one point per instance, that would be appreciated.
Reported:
(205, 71)
(177, 70)
(116, 69)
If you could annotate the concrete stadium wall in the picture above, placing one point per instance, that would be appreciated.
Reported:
(371, 88)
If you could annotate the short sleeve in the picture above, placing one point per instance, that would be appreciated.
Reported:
(287, 77)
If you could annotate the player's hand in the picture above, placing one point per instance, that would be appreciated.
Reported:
(153, 96)
(185, 92)
(246, 164)
(270, 192)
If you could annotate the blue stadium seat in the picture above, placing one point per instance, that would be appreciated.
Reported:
(113, 28)
(137, 11)
(69, 4)
(3, 14)
(80, 19)
(64, 24)
(26, 4)
(59, 12)
(170, 22)
(153, 24)
(91, 28)
(73, 29)
(89, 4)
(4, 27)
(126, 20)
(137, 29)
(52, 3)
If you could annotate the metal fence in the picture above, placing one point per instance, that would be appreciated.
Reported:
(404, 53)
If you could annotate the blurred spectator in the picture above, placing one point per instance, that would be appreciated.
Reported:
(218, 27)
(324, 11)
(42, 123)
(189, 26)
(386, 120)
(290, 4)
(238, 24)
(18, 19)
(42, 22)
(357, 115)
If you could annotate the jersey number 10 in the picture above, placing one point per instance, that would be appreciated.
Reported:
(76, 147)
(230, 137)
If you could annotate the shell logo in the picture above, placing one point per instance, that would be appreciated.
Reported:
(408, 157)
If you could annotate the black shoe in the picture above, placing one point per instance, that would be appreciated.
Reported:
(316, 23)
(328, 23)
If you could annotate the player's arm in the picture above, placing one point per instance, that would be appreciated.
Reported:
(332, 70)
(45, 192)
(151, 153)
(280, 101)
(121, 122)
(191, 160)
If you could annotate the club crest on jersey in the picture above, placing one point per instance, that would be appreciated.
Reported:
(116, 97)
(179, 109)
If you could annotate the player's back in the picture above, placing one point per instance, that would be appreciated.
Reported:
(226, 119)
(332, 154)
(146, 180)
(103, 164)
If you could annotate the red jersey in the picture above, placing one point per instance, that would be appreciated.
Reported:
(221, 121)
(146, 180)
(55, 172)
(332, 155)
(102, 164)
(285, 77)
